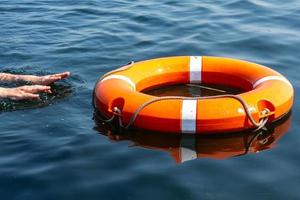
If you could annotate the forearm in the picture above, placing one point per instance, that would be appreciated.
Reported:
(6, 77)
(4, 92)
(24, 92)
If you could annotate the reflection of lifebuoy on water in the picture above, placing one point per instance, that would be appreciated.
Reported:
(187, 147)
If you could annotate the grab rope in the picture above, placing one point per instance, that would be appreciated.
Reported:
(258, 125)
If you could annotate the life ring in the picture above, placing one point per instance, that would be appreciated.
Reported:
(120, 94)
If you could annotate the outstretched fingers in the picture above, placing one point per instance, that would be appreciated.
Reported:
(24, 92)
(61, 75)
(35, 88)
(31, 91)
(48, 79)
(26, 95)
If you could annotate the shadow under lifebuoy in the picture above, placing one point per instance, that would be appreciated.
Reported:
(187, 147)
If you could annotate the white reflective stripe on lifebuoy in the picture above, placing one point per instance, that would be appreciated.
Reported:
(268, 78)
(187, 154)
(195, 69)
(123, 78)
(188, 148)
(188, 116)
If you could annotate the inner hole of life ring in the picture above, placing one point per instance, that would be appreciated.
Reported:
(193, 90)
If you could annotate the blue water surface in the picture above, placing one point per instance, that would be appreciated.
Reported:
(55, 152)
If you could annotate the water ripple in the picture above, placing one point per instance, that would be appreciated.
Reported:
(54, 152)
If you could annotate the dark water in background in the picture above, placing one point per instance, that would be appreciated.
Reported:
(54, 152)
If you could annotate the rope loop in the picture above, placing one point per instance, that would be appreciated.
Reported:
(258, 125)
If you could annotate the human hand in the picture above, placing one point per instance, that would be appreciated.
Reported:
(24, 92)
(44, 80)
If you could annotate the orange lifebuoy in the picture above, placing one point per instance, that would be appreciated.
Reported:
(122, 90)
